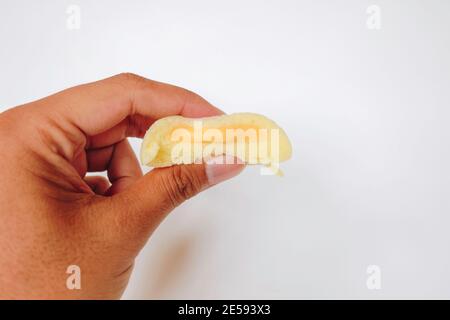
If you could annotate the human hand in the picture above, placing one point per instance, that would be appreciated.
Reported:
(52, 215)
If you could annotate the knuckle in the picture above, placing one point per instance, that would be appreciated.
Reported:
(182, 184)
(130, 78)
(191, 96)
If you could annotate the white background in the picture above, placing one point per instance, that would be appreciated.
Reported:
(367, 112)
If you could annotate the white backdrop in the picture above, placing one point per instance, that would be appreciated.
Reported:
(367, 111)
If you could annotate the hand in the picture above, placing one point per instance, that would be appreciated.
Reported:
(52, 215)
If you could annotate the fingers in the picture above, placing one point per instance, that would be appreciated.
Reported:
(98, 159)
(123, 169)
(98, 184)
(99, 106)
(132, 126)
(141, 207)
(120, 162)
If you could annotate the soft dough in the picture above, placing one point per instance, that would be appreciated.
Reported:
(252, 138)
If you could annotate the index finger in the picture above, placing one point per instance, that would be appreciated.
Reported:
(99, 106)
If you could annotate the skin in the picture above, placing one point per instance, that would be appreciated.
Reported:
(52, 215)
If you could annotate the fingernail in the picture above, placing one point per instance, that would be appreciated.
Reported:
(222, 168)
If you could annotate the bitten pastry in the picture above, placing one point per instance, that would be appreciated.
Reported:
(250, 137)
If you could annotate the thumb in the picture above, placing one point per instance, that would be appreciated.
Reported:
(141, 207)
